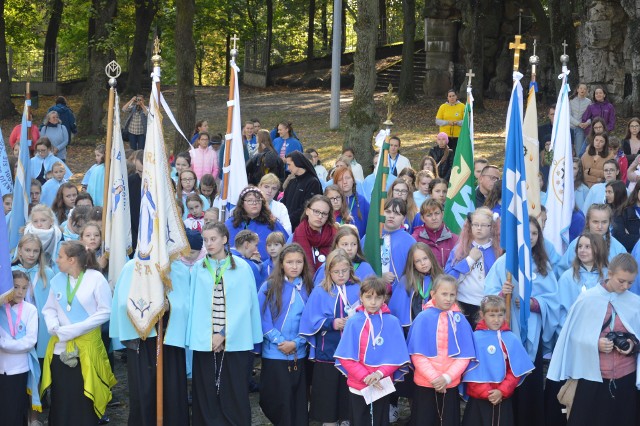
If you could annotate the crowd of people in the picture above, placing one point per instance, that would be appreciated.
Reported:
(282, 286)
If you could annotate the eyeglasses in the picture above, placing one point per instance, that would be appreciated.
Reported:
(340, 271)
(319, 213)
(253, 201)
(401, 191)
(480, 225)
(335, 199)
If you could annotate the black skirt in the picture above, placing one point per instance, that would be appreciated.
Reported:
(361, 412)
(329, 394)
(431, 408)
(528, 398)
(612, 402)
(554, 416)
(480, 412)
(14, 400)
(69, 405)
(141, 375)
(226, 404)
(283, 392)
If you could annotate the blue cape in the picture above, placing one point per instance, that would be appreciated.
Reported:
(360, 223)
(570, 254)
(490, 366)
(401, 242)
(423, 332)
(545, 291)
(261, 229)
(400, 302)
(576, 354)
(362, 270)
(392, 352)
(569, 289)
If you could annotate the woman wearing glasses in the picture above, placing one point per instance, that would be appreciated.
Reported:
(252, 213)
(316, 230)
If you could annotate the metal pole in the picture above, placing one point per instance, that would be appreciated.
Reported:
(334, 115)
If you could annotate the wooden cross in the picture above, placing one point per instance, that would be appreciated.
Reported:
(470, 75)
(234, 39)
(564, 47)
(517, 47)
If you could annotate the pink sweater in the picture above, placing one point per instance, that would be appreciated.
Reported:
(204, 161)
(429, 369)
(357, 370)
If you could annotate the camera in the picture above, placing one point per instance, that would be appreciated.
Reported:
(619, 339)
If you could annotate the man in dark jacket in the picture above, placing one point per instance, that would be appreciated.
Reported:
(67, 118)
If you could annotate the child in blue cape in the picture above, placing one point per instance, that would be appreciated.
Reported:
(372, 348)
(275, 243)
(93, 181)
(323, 320)
(500, 366)
(50, 187)
(245, 246)
(283, 396)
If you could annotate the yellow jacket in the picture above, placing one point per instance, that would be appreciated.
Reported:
(448, 113)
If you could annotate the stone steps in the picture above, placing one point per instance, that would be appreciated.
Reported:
(391, 74)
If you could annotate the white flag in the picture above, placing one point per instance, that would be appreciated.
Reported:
(532, 154)
(560, 193)
(161, 236)
(117, 229)
(237, 172)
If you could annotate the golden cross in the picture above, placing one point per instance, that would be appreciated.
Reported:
(156, 46)
(517, 47)
(389, 99)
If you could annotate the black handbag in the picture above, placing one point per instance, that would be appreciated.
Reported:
(125, 135)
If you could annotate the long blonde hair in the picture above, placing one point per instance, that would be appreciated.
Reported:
(335, 257)
(42, 261)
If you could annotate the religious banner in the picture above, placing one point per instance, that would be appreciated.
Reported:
(6, 183)
(532, 154)
(22, 186)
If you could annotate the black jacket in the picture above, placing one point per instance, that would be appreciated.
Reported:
(298, 191)
(267, 161)
(626, 227)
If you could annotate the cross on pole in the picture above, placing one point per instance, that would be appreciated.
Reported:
(470, 75)
(517, 47)
(234, 39)
(564, 47)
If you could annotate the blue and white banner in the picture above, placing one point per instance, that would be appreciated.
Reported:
(515, 237)
(6, 184)
(560, 192)
(22, 187)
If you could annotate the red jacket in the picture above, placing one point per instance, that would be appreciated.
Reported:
(15, 136)
(441, 241)
(507, 386)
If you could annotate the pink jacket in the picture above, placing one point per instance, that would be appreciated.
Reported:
(429, 369)
(204, 161)
(441, 242)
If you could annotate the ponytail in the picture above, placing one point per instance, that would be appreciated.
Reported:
(86, 258)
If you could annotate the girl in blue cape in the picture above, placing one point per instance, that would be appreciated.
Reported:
(223, 328)
(182, 163)
(31, 260)
(275, 243)
(348, 240)
(358, 206)
(440, 343)
(50, 187)
(18, 361)
(64, 201)
(42, 224)
(541, 327)
(341, 210)
(599, 222)
(323, 320)
(500, 366)
(472, 258)
(43, 161)
(283, 395)
(606, 370)
(395, 242)
(372, 348)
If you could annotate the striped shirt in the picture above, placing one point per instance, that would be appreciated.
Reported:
(218, 308)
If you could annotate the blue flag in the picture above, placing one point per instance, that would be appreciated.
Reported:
(22, 187)
(6, 185)
(6, 280)
(515, 238)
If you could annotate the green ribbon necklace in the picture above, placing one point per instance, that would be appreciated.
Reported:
(218, 272)
(72, 293)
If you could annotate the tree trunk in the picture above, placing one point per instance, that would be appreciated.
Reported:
(363, 120)
(50, 41)
(324, 29)
(344, 26)
(406, 91)
(145, 13)
(185, 61)
(562, 30)
(382, 12)
(475, 58)
(267, 47)
(310, 31)
(95, 91)
(7, 109)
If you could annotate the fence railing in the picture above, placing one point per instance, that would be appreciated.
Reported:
(37, 66)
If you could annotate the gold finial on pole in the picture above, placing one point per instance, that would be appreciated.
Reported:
(389, 99)
(517, 47)
(156, 58)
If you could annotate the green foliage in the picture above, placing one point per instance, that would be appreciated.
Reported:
(26, 24)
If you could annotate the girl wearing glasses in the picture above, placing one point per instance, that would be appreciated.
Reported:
(186, 186)
(316, 230)
(338, 200)
(403, 190)
(631, 142)
(253, 214)
(474, 255)
(357, 204)
(323, 320)
(528, 399)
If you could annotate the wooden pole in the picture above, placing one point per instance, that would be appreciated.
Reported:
(157, 59)
(107, 156)
(227, 143)
(508, 301)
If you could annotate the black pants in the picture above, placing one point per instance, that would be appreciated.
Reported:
(329, 394)
(470, 313)
(69, 405)
(480, 412)
(361, 412)
(612, 402)
(528, 398)
(141, 375)
(552, 407)
(14, 402)
(283, 392)
(429, 406)
(228, 404)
